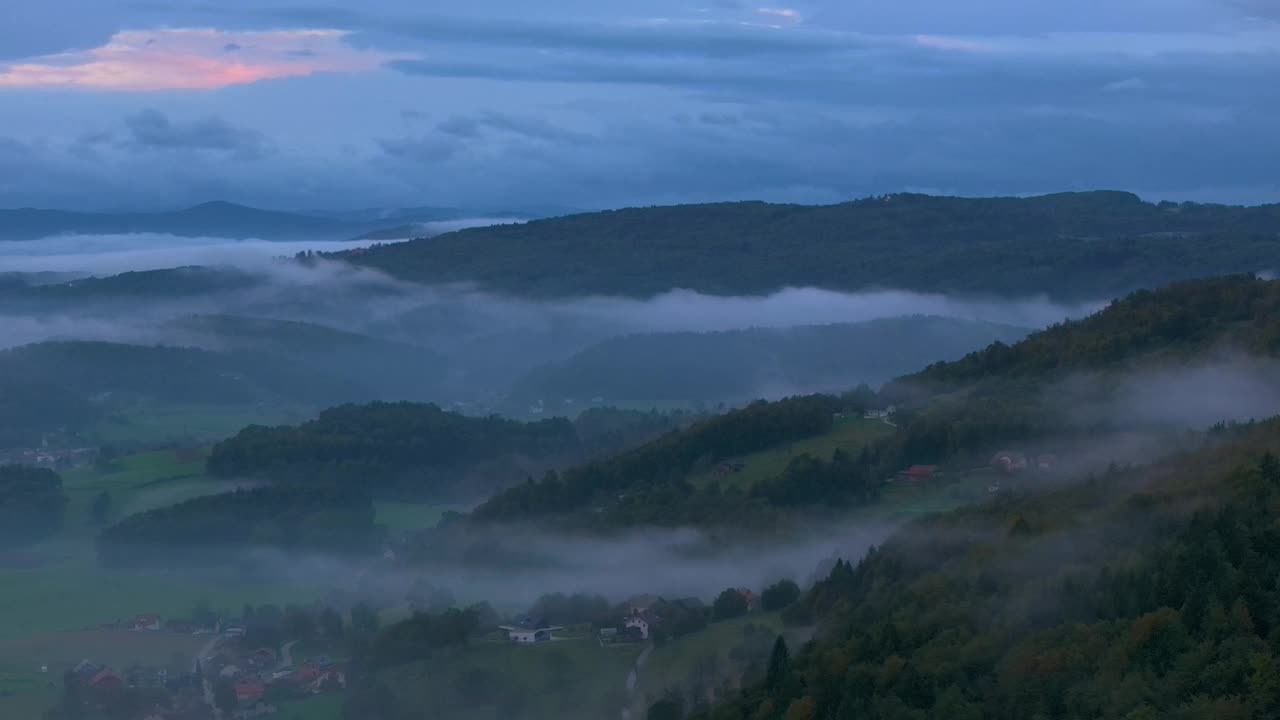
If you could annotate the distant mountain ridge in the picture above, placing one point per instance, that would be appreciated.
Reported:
(1076, 246)
(224, 219)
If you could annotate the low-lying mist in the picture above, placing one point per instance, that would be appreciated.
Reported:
(512, 567)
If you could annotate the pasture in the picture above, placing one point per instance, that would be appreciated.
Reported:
(848, 434)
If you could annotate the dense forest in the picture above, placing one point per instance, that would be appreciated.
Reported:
(1240, 312)
(32, 505)
(1081, 246)
(215, 528)
(652, 478)
(1141, 593)
(741, 365)
(419, 450)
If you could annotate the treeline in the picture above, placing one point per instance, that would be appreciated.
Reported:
(665, 461)
(386, 444)
(1077, 246)
(32, 504)
(1114, 599)
(1177, 321)
(217, 528)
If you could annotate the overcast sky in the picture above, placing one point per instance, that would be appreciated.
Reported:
(599, 103)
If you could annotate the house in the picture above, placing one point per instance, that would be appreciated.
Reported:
(105, 679)
(750, 598)
(881, 414)
(144, 623)
(919, 472)
(1009, 461)
(608, 635)
(229, 671)
(643, 622)
(730, 466)
(249, 690)
(233, 631)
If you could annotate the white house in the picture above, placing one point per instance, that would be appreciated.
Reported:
(635, 621)
(881, 414)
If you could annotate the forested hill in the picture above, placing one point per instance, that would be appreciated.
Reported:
(1070, 245)
(422, 451)
(741, 365)
(1240, 312)
(1142, 593)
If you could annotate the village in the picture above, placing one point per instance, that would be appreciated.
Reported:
(232, 678)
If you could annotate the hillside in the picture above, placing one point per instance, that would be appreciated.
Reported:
(740, 365)
(1138, 594)
(1118, 386)
(67, 387)
(1178, 321)
(1075, 246)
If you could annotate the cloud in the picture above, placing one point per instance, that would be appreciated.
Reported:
(154, 129)
(192, 59)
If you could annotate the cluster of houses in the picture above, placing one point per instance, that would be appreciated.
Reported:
(258, 677)
(168, 696)
(1015, 461)
(48, 458)
(639, 619)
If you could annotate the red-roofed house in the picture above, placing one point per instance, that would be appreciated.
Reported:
(920, 472)
(106, 680)
(144, 622)
(249, 690)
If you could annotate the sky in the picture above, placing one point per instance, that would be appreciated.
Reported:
(303, 104)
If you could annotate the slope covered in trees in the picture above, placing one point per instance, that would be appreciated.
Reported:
(215, 528)
(1240, 312)
(410, 448)
(1143, 593)
(68, 386)
(652, 479)
(1069, 245)
(1071, 398)
(741, 365)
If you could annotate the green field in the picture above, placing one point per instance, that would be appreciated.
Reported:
(849, 434)
(319, 707)
(497, 680)
(187, 424)
(137, 483)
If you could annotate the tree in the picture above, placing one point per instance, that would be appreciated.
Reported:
(729, 604)
(364, 619)
(100, 508)
(779, 595)
(330, 622)
(779, 664)
(298, 624)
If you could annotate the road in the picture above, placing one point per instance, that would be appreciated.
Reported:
(633, 681)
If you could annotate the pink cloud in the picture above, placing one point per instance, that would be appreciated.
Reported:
(943, 42)
(193, 59)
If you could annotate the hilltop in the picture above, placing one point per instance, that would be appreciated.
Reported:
(736, 366)
(1077, 246)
